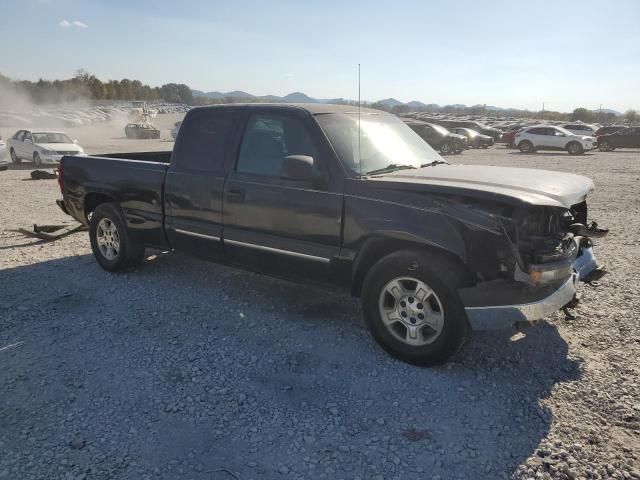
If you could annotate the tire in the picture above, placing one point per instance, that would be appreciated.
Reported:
(526, 146)
(125, 252)
(574, 148)
(413, 269)
(37, 161)
(604, 146)
(446, 148)
(14, 157)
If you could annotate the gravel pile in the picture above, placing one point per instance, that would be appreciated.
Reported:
(185, 369)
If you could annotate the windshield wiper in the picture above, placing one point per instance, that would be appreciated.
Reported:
(435, 162)
(390, 168)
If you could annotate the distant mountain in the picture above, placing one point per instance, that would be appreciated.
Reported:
(416, 104)
(238, 94)
(608, 110)
(299, 97)
(390, 102)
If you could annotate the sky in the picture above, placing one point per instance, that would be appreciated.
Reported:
(517, 54)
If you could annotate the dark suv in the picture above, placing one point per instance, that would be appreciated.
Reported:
(626, 138)
(438, 137)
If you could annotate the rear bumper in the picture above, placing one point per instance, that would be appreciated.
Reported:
(528, 304)
(62, 206)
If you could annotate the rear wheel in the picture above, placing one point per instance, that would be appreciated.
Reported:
(574, 148)
(446, 148)
(412, 308)
(112, 243)
(36, 159)
(14, 157)
(604, 146)
(525, 146)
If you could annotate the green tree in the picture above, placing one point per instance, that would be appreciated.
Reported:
(583, 115)
(631, 116)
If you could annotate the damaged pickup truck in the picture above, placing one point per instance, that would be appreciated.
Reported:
(354, 200)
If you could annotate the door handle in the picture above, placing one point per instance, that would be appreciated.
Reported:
(238, 195)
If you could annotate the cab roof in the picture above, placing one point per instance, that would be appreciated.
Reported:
(311, 108)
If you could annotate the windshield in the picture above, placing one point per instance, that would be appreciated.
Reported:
(440, 129)
(385, 140)
(51, 138)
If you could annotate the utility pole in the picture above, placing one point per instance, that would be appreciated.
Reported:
(543, 110)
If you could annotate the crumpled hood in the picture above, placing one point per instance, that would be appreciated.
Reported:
(537, 187)
(61, 147)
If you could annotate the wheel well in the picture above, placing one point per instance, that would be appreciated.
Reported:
(92, 200)
(376, 249)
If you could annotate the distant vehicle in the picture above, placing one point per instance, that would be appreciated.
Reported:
(3, 155)
(477, 126)
(175, 129)
(143, 131)
(549, 137)
(474, 139)
(42, 147)
(609, 129)
(626, 138)
(438, 137)
(509, 137)
(581, 129)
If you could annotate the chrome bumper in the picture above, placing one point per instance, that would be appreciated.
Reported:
(494, 317)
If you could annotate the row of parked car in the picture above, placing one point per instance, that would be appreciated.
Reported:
(574, 138)
(451, 138)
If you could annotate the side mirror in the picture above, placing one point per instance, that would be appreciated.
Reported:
(75, 140)
(297, 167)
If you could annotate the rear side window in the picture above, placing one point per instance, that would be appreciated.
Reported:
(205, 138)
(268, 138)
(536, 131)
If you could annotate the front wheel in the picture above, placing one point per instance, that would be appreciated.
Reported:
(526, 146)
(574, 148)
(14, 157)
(445, 148)
(604, 146)
(36, 159)
(412, 307)
(112, 243)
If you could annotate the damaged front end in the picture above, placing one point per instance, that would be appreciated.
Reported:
(542, 253)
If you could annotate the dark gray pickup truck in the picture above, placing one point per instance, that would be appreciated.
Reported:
(353, 200)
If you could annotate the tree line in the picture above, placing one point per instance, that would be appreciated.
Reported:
(86, 86)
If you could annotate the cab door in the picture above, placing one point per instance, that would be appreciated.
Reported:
(288, 228)
(195, 180)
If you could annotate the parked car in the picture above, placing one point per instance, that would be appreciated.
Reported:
(438, 137)
(608, 129)
(142, 131)
(626, 138)
(4, 156)
(41, 147)
(549, 137)
(321, 194)
(474, 139)
(174, 130)
(509, 137)
(477, 126)
(581, 129)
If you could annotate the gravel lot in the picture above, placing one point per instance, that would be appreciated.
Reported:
(185, 369)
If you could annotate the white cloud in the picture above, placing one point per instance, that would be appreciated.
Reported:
(76, 23)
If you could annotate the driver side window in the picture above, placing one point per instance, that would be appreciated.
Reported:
(268, 138)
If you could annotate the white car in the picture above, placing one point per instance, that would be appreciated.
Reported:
(3, 155)
(41, 147)
(581, 129)
(549, 137)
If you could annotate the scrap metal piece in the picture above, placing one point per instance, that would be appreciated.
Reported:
(42, 175)
(52, 232)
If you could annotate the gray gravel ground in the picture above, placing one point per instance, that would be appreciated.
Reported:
(185, 369)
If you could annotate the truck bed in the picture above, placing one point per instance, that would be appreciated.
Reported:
(133, 180)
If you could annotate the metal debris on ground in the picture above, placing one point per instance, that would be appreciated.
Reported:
(52, 232)
(42, 175)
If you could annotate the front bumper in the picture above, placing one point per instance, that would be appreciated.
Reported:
(530, 304)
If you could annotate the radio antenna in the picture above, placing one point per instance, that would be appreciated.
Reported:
(359, 157)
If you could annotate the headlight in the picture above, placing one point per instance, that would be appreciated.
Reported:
(48, 153)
